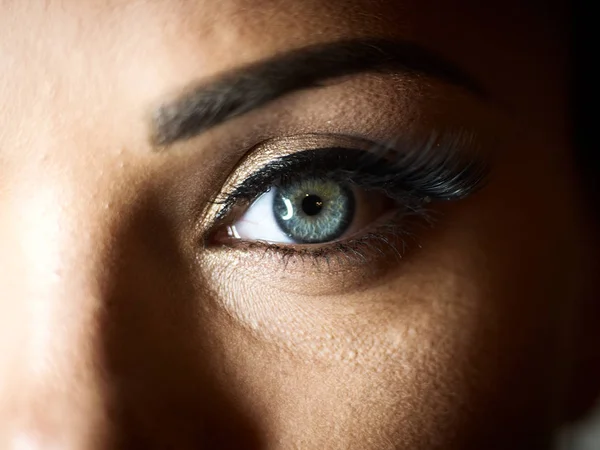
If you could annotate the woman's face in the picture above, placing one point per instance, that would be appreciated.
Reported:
(283, 224)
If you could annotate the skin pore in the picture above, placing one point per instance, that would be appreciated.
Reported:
(129, 318)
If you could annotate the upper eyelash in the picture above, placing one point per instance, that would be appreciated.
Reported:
(439, 169)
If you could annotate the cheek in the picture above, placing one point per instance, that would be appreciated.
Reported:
(461, 336)
(391, 362)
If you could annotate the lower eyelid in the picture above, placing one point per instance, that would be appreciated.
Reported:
(357, 259)
(391, 230)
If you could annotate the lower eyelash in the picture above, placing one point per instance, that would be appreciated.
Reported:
(391, 238)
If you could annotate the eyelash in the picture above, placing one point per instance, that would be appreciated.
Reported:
(389, 239)
(412, 179)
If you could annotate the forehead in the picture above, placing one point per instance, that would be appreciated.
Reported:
(88, 57)
(189, 36)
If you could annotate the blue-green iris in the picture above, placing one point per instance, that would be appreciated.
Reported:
(313, 210)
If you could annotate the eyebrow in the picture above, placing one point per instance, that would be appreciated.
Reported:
(241, 90)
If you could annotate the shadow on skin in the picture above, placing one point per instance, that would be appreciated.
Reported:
(160, 364)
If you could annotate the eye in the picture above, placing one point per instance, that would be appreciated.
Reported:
(309, 210)
(338, 199)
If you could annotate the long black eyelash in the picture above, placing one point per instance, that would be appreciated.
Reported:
(438, 169)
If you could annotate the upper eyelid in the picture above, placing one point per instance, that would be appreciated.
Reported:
(261, 154)
(444, 178)
(457, 151)
(266, 152)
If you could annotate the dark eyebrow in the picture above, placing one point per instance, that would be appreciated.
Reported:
(244, 89)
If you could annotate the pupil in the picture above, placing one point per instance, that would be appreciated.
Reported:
(312, 205)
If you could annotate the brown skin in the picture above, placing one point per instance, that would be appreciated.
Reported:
(119, 330)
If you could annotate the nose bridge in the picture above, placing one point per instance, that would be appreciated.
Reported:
(50, 328)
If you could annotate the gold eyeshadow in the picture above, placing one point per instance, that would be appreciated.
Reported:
(277, 148)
